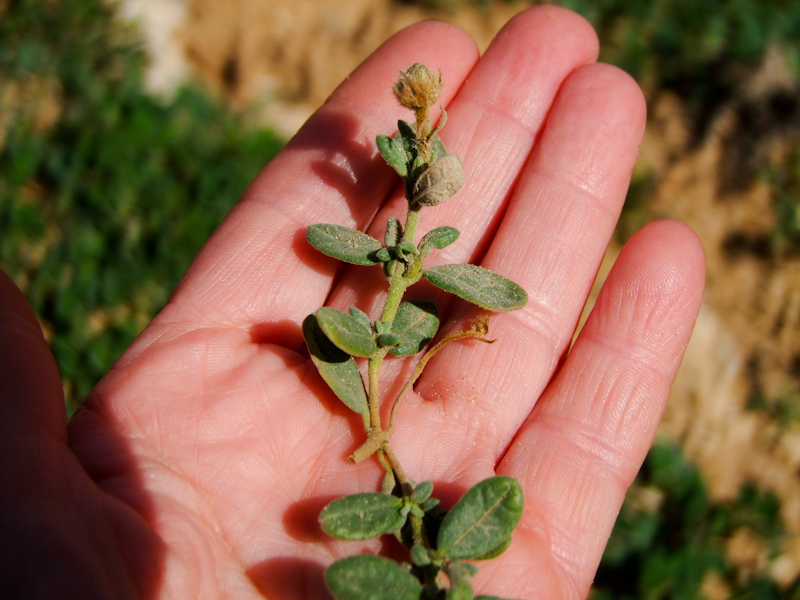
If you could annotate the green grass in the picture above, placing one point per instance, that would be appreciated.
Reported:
(664, 548)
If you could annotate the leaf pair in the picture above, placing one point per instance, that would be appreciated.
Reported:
(414, 325)
(469, 282)
(334, 337)
(358, 248)
(478, 527)
(366, 577)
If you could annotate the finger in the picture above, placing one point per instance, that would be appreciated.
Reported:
(257, 266)
(586, 439)
(551, 242)
(492, 124)
(31, 397)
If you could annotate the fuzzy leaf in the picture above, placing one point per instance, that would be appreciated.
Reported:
(407, 134)
(483, 518)
(429, 504)
(422, 492)
(387, 340)
(362, 317)
(416, 322)
(479, 286)
(336, 367)
(344, 243)
(441, 237)
(362, 516)
(394, 154)
(419, 556)
(346, 332)
(394, 232)
(365, 577)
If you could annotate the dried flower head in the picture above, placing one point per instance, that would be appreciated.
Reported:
(418, 88)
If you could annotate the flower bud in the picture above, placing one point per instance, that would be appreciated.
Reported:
(418, 88)
(439, 181)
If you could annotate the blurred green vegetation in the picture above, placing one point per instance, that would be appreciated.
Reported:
(784, 178)
(670, 537)
(106, 193)
(697, 49)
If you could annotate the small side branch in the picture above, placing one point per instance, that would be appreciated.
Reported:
(479, 329)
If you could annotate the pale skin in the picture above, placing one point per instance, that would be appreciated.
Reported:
(200, 462)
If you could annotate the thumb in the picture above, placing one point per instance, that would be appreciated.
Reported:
(31, 396)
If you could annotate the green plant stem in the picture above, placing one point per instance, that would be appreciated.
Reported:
(374, 371)
(418, 532)
(405, 483)
(412, 220)
(397, 288)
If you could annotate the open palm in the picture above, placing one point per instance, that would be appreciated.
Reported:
(199, 464)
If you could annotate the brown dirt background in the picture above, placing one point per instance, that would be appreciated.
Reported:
(278, 60)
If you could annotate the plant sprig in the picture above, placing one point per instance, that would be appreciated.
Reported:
(479, 526)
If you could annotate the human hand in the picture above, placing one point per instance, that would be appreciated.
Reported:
(199, 464)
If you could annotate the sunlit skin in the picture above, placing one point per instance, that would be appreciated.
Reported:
(199, 464)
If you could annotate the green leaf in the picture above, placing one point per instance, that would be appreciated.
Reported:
(336, 367)
(344, 243)
(438, 148)
(483, 518)
(394, 154)
(383, 255)
(419, 555)
(416, 322)
(365, 577)
(496, 551)
(422, 492)
(429, 504)
(387, 340)
(407, 247)
(441, 237)
(460, 576)
(362, 317)
(362, 516)
(479, 286)
(407, 134)
(346, 332)
(394, 232)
